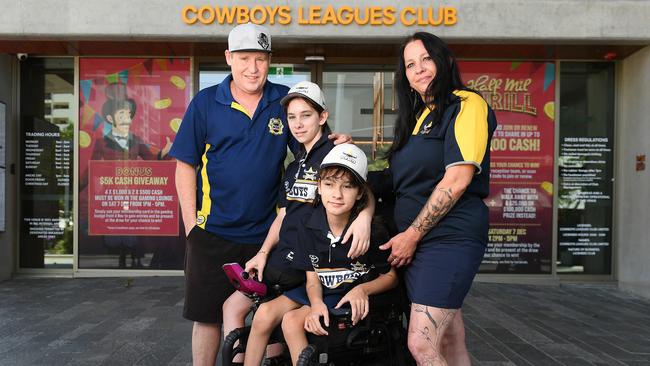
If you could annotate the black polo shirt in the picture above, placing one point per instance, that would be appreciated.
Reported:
(462, 136)
(327, 256)
(298, 196)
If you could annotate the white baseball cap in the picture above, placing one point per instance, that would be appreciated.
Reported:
(348, 156)
(249, 37)
(307, 90)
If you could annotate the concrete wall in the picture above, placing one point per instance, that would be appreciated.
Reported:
(632, 193)
(7, 238)
(516, 20)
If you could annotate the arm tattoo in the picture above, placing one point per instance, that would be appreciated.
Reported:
(437, 206)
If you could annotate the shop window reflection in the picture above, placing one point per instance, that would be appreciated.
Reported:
(585, 168)
(46, 150)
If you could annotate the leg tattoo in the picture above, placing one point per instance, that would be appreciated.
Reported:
(432, 334)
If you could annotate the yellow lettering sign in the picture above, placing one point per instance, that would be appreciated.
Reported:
(210, 14)
(403, 16)
(318, 15)
(189, 14)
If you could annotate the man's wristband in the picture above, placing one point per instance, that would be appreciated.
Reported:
(262, 252)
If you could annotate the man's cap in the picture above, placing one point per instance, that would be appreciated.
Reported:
(348, 156)
(307, 90)
(249, 37)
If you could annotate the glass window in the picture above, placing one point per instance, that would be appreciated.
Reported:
(46, 138)
(585, 168)
(280, 74)
(130, 110)
(361, 104)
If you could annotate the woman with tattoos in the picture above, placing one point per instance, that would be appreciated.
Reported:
(440, 165)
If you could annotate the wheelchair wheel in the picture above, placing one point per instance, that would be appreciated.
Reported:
(229, 350)
(268, 362)
(308, 356)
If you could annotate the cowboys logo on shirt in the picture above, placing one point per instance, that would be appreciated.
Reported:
(304, 190)
(335, 277)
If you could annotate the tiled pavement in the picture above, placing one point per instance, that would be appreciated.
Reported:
(112, 321)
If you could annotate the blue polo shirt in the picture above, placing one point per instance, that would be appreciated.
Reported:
(298, 197)
(239, 158)
(462, 136)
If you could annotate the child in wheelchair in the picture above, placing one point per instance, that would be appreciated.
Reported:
(343, 192)
(335, 281)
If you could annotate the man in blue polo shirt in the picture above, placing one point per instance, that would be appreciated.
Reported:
(230, 151)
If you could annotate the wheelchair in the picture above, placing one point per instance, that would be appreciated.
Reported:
(379, 339)
(234, 343)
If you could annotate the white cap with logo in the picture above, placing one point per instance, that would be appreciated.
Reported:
(348, 156)
(249, 37)
(307, 90)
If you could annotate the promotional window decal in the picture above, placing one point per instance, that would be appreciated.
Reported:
(522, 95)
(130, 111)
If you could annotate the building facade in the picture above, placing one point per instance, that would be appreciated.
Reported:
(88, 195)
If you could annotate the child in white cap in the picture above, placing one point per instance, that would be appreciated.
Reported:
(333, 279)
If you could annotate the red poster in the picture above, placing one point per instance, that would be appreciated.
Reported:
(129, 112)
(137, 197)
(521, 170)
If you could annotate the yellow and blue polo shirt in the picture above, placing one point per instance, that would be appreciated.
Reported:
(462, 136)
(239, 158)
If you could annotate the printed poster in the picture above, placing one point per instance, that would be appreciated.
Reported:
(129, 111)
(522, 95)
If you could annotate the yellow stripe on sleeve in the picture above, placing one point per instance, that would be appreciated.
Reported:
(206, 202)
(471, 126)
(421, 119)
(239, 107)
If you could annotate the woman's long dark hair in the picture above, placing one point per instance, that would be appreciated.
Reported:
(438, 94)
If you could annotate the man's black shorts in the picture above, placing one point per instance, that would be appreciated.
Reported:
(206, 284)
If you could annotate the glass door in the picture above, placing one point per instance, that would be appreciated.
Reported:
(47, 109)
(586, 168)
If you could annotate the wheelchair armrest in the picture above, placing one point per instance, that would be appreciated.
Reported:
(344, 311)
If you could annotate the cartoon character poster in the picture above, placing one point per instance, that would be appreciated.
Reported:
(129, 112)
